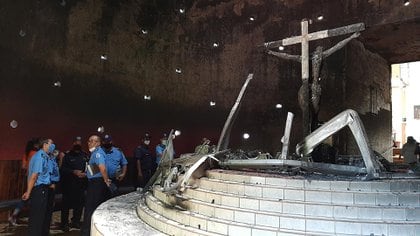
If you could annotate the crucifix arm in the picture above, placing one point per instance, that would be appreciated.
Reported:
(285, 56)
(339, 45)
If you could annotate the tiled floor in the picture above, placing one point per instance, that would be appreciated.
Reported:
(21, 229)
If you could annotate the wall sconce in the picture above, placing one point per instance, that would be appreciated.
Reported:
(14, 124)
(101, 129)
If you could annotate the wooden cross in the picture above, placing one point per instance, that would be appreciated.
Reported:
(304, 59)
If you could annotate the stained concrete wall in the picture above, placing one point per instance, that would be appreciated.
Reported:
(368, 91)
(43, 42)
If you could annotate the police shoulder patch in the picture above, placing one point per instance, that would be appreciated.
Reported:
(98, 155)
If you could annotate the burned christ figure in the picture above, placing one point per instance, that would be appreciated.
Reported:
(315, 88)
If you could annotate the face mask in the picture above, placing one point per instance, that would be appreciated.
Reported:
(92, 149)
(51, 148)
(108, 145)
(146, 142)
(55, 153)
(77, 147)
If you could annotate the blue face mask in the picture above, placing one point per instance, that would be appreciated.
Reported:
(51, 148)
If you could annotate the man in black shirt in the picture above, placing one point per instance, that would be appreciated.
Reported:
(74, 183)
(145, 161)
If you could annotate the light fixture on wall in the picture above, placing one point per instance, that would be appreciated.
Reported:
(101, 129)
(147, 97)
(212, 103)
(251, 18)
(144, 31)
(215, 44)
(245, 136)
(406, 2)
(14, 124)
(178, 70)
(57, 84)
(281, 48)
(320, 17)
(181, 10)
(279, 106)
(177, 132)
(22, 33)
(104, 57)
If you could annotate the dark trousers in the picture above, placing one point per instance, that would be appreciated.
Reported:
(50, 209)
(147, 174)
(97, 193)
(38, 211)
(72, 200)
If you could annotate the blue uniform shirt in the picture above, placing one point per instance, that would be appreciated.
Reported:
(159, 151)
(53, 169)
(114, 160)
(39, 164)
(96, 158)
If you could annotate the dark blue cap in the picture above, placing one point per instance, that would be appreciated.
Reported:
(147, 136)
(107, 138)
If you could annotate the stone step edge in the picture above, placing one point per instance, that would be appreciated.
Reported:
(297, 201)
(346, 220)
(234, 223)
(349, 220)
(112, 209)
(150, 215)
(294, 187)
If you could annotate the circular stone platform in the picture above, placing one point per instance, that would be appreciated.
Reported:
(249, 204)
(118, 216)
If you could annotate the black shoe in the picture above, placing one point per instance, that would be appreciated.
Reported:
(65, 228)
(12, 221)
(75, 225)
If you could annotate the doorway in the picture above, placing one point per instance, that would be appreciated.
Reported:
(405, 84)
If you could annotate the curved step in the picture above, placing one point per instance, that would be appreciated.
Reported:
(327, 195)
(290, 221)
(395, 214)
(155, 217)
(409, 185)
(118, 216)
(217, 225)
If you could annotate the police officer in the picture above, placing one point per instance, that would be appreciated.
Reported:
(74, 184)
(115, 161)
(160, 148)
(145, 161)
(98, 181)
(55, 178)
(39, 180)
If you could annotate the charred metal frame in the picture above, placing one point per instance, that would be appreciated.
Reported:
(346, 118)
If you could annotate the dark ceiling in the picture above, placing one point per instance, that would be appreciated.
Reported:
(397, 42)
(392, 28)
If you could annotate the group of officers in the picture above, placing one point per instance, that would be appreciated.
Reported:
(85, 180)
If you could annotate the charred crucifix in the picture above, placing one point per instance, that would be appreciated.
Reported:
(311, 96)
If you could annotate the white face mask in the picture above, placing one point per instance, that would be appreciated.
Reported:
(146, 142)
(164, 142)
(92, 149)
